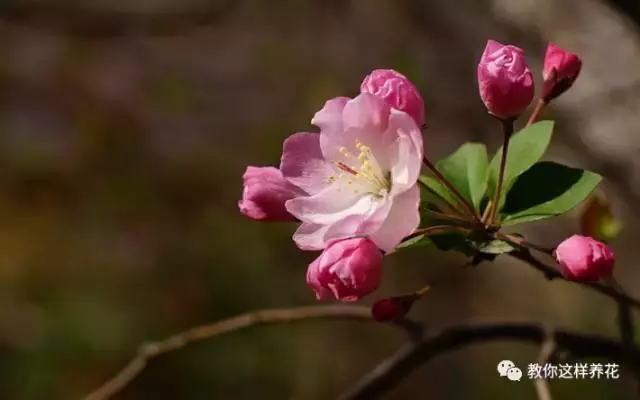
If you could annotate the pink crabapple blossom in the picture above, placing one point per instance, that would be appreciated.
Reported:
(560, 70)
(348, 269)
(585, 259)
(505, 81)
(265, 193)
(360, 173)
(398, 91)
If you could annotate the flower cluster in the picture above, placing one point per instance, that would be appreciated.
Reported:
(354, 189)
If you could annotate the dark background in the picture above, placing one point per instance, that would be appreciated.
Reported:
(124, 133)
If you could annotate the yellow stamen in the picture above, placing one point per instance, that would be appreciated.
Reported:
(364, 171)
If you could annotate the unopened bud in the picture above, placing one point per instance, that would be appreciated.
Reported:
(392, 308)
(560, 71)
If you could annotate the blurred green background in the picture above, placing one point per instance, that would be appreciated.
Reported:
(124, 134)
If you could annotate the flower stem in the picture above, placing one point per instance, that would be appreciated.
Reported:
(436, 229)
(522, 243)
(448, 217)
(487, 212)
(536, 111)
(507, 130)
(447, 203)
(461, 200)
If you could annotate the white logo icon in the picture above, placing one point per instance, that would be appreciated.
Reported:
(504, 366)
(514, 374)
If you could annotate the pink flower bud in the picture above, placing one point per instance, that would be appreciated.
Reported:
(583, 258)
(560, 70)
(392, 308)
(396, 90)
(505, 81)
(265, 192)
(348, 269)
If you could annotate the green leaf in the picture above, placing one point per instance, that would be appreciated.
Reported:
(547, 189)
(526, 147)
(467, 170)
(437, 187)
(418, 241)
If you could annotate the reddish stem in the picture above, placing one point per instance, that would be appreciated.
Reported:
(536, 111)
(435, 229)
(444, 201)
(448, 217)
(461, 200)
(522, 243)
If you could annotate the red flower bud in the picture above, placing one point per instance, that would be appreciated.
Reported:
(505, 81)
(264, 194)
(560, 70)
(584, 259)
(392, 308)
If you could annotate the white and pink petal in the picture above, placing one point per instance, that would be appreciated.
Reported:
(330, 116)
(331, 205)
(403, 220)
(303, 164)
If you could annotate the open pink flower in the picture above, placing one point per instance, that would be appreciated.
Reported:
(347, 269)
(360, 172)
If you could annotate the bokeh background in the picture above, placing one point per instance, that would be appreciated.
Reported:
(125, 130)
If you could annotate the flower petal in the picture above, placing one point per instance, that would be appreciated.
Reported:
(362, 221)
(315, 278)
(310, 237)
(491, 47)
(406, 126)
(365, 119)
(359, 224)
(366, 112)
(303, 164)
(330, 116)
(329, 206)
(406, 154)
(403, 219)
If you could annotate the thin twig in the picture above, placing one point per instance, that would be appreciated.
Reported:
(411, 356)
(148, 351)
(546, 352)
(461, 200)
(552, 273)
(521, 242)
